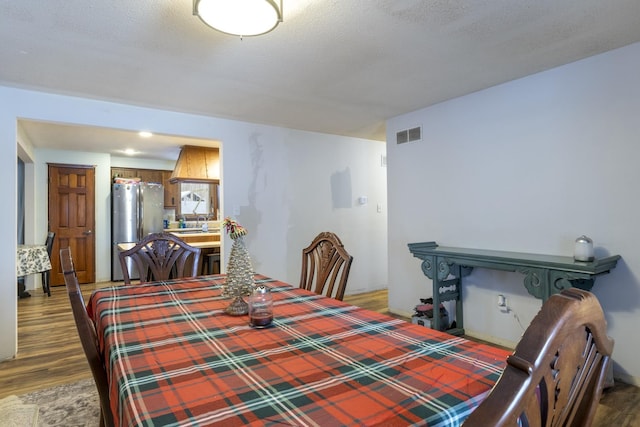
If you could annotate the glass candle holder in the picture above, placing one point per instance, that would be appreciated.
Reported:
(260, 307)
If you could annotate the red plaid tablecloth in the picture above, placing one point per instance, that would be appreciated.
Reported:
(174, 358)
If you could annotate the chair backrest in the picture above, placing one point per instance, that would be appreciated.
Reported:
(49, 242)
(325, 266)
(556, 374)
(161, 256)
(88, 335)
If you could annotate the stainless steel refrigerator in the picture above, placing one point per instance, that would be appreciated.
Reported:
(136, 210)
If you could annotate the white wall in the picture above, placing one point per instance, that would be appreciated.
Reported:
(133, 162)
(25, 152)
(279, 180)
(8, 172)
(526, 166)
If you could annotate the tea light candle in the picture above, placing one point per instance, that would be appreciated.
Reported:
(583, 250)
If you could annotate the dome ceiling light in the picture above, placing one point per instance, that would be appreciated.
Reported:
(242, 18)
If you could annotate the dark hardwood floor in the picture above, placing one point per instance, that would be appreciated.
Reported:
(50, 352)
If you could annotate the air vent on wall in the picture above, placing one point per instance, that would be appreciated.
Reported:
(409, 135)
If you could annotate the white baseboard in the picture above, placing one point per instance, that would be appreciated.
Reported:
(490, 339)
(617, 376)
(401, 313)
(625, 378)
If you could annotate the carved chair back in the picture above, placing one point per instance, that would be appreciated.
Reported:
(325, 266)
(161, 256)
(557, 372)
(88, 335)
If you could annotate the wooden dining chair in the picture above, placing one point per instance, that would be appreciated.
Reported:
(88, 336)
(47, 274)
(161, 256)
(557, 372)
(325, 266)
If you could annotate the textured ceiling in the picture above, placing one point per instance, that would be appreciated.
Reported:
(334, 66)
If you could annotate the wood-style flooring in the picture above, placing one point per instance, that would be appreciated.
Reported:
(50, 353)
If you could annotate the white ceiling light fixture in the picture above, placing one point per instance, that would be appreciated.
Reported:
(242, 18)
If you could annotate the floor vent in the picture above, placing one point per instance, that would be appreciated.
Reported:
(409, 135)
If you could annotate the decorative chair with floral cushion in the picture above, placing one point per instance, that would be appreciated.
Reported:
(161, 256)
(88, 336)
(325, 266)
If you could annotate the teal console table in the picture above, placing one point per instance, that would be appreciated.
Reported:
(544, 275)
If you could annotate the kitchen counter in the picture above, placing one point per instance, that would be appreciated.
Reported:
(196, 237)
(205, 245)
(202, 245)
(209, 242)
(193, 236)
(192, 232)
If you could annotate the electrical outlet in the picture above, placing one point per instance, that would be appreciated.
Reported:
(502, 301)
(502, 304)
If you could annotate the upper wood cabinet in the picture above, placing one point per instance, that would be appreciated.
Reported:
(123, 173)
(171, 191)
(150, 175)
(145, 175)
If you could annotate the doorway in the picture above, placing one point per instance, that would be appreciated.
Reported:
(72, 218)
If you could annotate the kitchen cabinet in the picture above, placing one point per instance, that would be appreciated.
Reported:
(123, 173)
(171, 191)
(150, 175)
(209, 244)
(145, 175)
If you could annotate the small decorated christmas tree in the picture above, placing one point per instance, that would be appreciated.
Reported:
(239, 271)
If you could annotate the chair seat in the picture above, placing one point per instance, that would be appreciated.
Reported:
(212, 260)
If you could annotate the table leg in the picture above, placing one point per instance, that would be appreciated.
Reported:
(22, 292)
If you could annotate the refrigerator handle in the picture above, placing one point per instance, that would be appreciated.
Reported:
(140, 221)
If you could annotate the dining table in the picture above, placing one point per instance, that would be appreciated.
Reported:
(30, 259)
(174, 358)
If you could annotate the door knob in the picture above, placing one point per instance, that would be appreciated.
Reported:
(86, 233)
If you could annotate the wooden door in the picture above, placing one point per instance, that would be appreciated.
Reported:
(72, 218)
